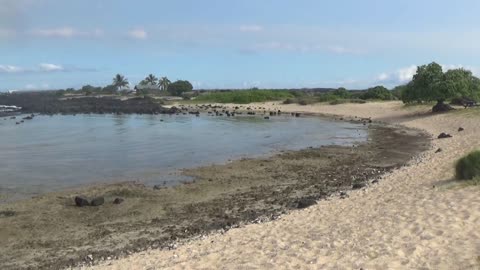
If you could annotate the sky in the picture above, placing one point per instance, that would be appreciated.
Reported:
(52, 44)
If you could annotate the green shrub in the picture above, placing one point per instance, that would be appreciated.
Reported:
(377, 92)
(468, 167)
(245, 96)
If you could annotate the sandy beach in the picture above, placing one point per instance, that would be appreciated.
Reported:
(415, 218)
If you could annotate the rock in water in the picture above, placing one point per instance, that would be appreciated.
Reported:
(305, 202)
(118, 201)
(358, 185)
(444, 135)
(97, 201)
(81, 201)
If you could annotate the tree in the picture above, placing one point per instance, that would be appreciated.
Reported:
(119, 81)
(341, 93)
(424, 86)
(377, 92)
(109, 89)
(179, 87)
(151, 80)
(163, 83)
(398, 91)
(431, 84)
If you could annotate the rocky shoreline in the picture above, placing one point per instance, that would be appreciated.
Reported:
(220, 198)
(48, 103)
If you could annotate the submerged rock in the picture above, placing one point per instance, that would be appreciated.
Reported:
(81, 201)
(97, 201)
(305, 202)
(118, 200)
(358, 185)
(7, 213)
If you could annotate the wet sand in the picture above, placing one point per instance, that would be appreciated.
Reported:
(50, 232)
(416, 217)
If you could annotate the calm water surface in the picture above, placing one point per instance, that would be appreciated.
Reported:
(56, 152)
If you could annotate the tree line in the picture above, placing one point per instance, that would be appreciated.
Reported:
(150, 85)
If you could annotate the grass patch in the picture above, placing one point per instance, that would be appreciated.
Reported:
(245, 96)
(468, 167)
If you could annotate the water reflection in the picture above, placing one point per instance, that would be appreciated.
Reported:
(50, 153)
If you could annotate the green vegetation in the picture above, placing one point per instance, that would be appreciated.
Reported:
(164, 82)
(245, 96)
(179, 87)
(377, 92)
(430, 83)
(468, 167)
(150, 80)
(119, 81)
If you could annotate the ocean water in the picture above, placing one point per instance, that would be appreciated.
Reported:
(50, 153)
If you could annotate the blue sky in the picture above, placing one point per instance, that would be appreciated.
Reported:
(50, 44)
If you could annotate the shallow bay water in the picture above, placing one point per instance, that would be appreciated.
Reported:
(50, 153)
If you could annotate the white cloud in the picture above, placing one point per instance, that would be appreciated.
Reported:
(50, 67)
(30, 86)
(42, 68)
(383, 77)
(406, 74)
(343, 50)
(66, 32)
(298, 47)
(138, 34)
(250, 28)
(10, 69)
(41, 86)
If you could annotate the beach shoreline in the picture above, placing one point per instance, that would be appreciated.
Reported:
(417, 217)
(213, 201)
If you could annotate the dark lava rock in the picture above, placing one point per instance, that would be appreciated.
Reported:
(118, 200)
(460, 129)
(7, 213)
(157, 187)
(266, 118)
(444, 135)
(439, 150)
(358, 185)
(375, 181)
(305, 202)
(297, 114)
(97, 201)
(442, 107)
(81, 201)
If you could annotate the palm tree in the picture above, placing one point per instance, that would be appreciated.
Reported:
(151, 79)
(120, 81)
(163, 83)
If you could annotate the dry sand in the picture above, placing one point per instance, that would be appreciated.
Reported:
(404, 222)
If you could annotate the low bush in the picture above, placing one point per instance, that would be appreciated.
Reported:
(468, 167)
(245, 96)
(343, 101)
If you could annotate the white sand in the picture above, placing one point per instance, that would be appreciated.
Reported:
(400, 223)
